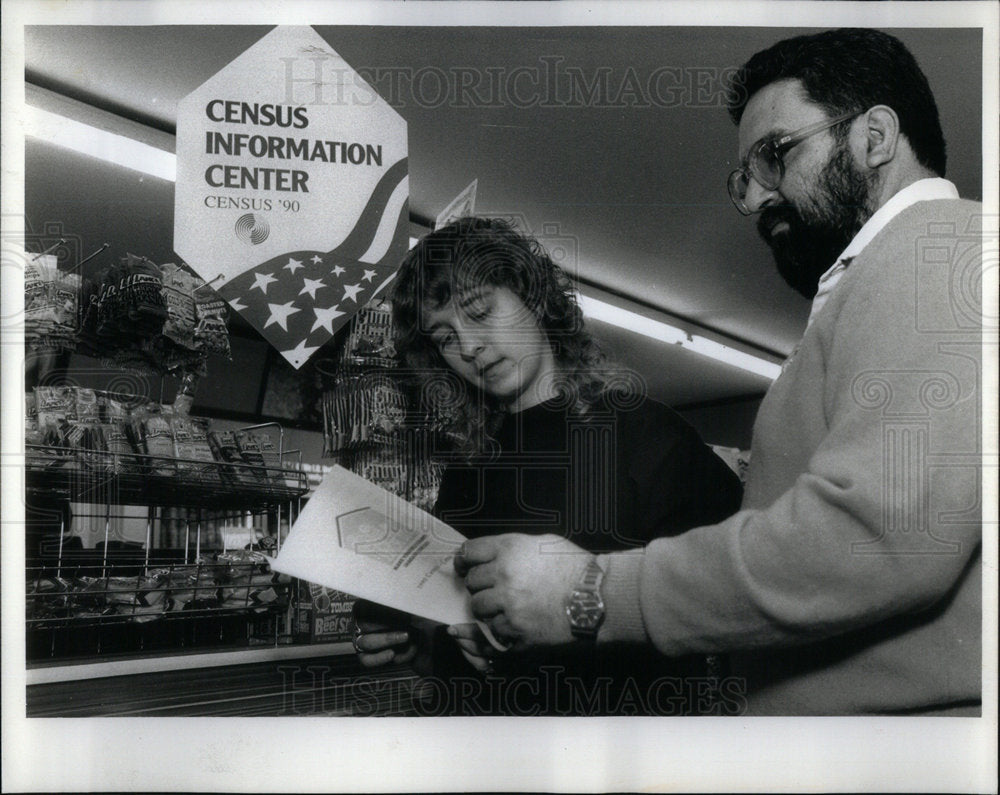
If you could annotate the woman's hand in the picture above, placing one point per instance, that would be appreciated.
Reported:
(384, 635)
(474, 646)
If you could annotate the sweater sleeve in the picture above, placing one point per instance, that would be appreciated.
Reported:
(881, 522)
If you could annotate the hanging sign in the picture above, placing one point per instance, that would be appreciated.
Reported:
(292, 190)
(461, 206)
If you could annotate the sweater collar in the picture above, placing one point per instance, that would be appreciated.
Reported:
(920, 191)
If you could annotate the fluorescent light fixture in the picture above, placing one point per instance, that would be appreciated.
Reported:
(672, 335)
(138, 156)
(99, 143)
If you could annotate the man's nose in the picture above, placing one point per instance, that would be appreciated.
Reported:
(758, 197)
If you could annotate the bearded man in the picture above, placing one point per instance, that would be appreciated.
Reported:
(850, 580)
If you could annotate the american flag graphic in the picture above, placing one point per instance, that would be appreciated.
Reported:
(299, 299)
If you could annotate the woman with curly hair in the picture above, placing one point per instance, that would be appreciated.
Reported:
(546, 437)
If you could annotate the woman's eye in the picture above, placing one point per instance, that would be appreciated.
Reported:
(445, 340)
(480, 310)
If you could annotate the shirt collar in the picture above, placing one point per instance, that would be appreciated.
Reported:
(920, 191)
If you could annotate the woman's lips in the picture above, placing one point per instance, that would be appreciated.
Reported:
(491, 369)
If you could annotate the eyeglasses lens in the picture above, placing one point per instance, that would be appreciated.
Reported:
(765, 166)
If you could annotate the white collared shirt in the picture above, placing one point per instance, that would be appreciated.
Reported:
(920, 191)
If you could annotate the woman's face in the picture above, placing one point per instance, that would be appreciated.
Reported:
(490, 338)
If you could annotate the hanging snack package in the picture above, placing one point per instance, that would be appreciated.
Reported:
(178, 295)
(39, 313)
(388, 407)
(210, 332)
(50, 305)
(87, 341)
(108, 308)
(66, 292)
(370, 342)
(141, 295)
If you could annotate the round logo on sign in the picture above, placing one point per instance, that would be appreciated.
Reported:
(252, 229)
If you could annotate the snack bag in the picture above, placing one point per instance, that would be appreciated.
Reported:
(227, 452)
(157, 440)
(210, 332)
(178, 295)
(191, 446)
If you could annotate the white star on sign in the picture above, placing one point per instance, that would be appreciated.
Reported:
(311, 286)
(317, 259)
(337, 270)
(369, 275)
(324, 318)
(299, 354)
(280, 313)
(293, 265)
(351, 291)
(261, 281)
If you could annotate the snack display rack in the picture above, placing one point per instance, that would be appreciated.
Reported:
(202, 589)
(147, 532)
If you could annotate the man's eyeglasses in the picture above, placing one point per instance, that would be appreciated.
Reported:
(764, 161)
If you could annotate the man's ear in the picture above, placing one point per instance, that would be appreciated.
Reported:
(881, 130)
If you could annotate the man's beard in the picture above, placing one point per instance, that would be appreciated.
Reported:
(818, 233)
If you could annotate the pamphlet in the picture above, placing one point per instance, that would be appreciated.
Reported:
(361, 539)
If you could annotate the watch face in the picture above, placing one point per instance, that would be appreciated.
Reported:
(585, 610)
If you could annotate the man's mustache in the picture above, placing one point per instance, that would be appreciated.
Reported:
(772, 216)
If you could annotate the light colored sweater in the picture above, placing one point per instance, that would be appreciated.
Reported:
(850, 580)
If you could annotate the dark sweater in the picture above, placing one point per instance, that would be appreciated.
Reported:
(610, 481)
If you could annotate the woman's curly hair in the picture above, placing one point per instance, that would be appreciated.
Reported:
(469, 253)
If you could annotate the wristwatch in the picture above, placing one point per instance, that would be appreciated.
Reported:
(585, 607)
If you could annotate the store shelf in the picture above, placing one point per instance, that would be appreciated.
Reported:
(316, 684)
(130, 479)
(52, 672)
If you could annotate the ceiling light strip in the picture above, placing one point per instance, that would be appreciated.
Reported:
(672, 335)
(92, 141)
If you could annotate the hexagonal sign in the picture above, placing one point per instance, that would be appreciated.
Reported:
(292, 189)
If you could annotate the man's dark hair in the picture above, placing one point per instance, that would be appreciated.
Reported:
(851, 69)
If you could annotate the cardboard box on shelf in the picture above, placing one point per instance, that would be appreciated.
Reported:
(323, 615)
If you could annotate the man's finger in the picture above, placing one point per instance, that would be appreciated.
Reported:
(474, 552)
(466, 631)
(377, 641)
(375, 660)
(481, 577)
(486, 604)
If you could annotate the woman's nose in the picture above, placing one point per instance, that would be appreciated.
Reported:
(469, 346)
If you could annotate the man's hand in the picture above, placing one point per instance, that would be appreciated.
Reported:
(520, 584)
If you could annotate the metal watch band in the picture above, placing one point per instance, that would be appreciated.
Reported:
(593, 575)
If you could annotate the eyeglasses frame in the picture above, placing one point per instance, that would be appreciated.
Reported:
(779, 146)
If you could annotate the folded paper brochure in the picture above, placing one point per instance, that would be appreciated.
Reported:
(358, 538)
